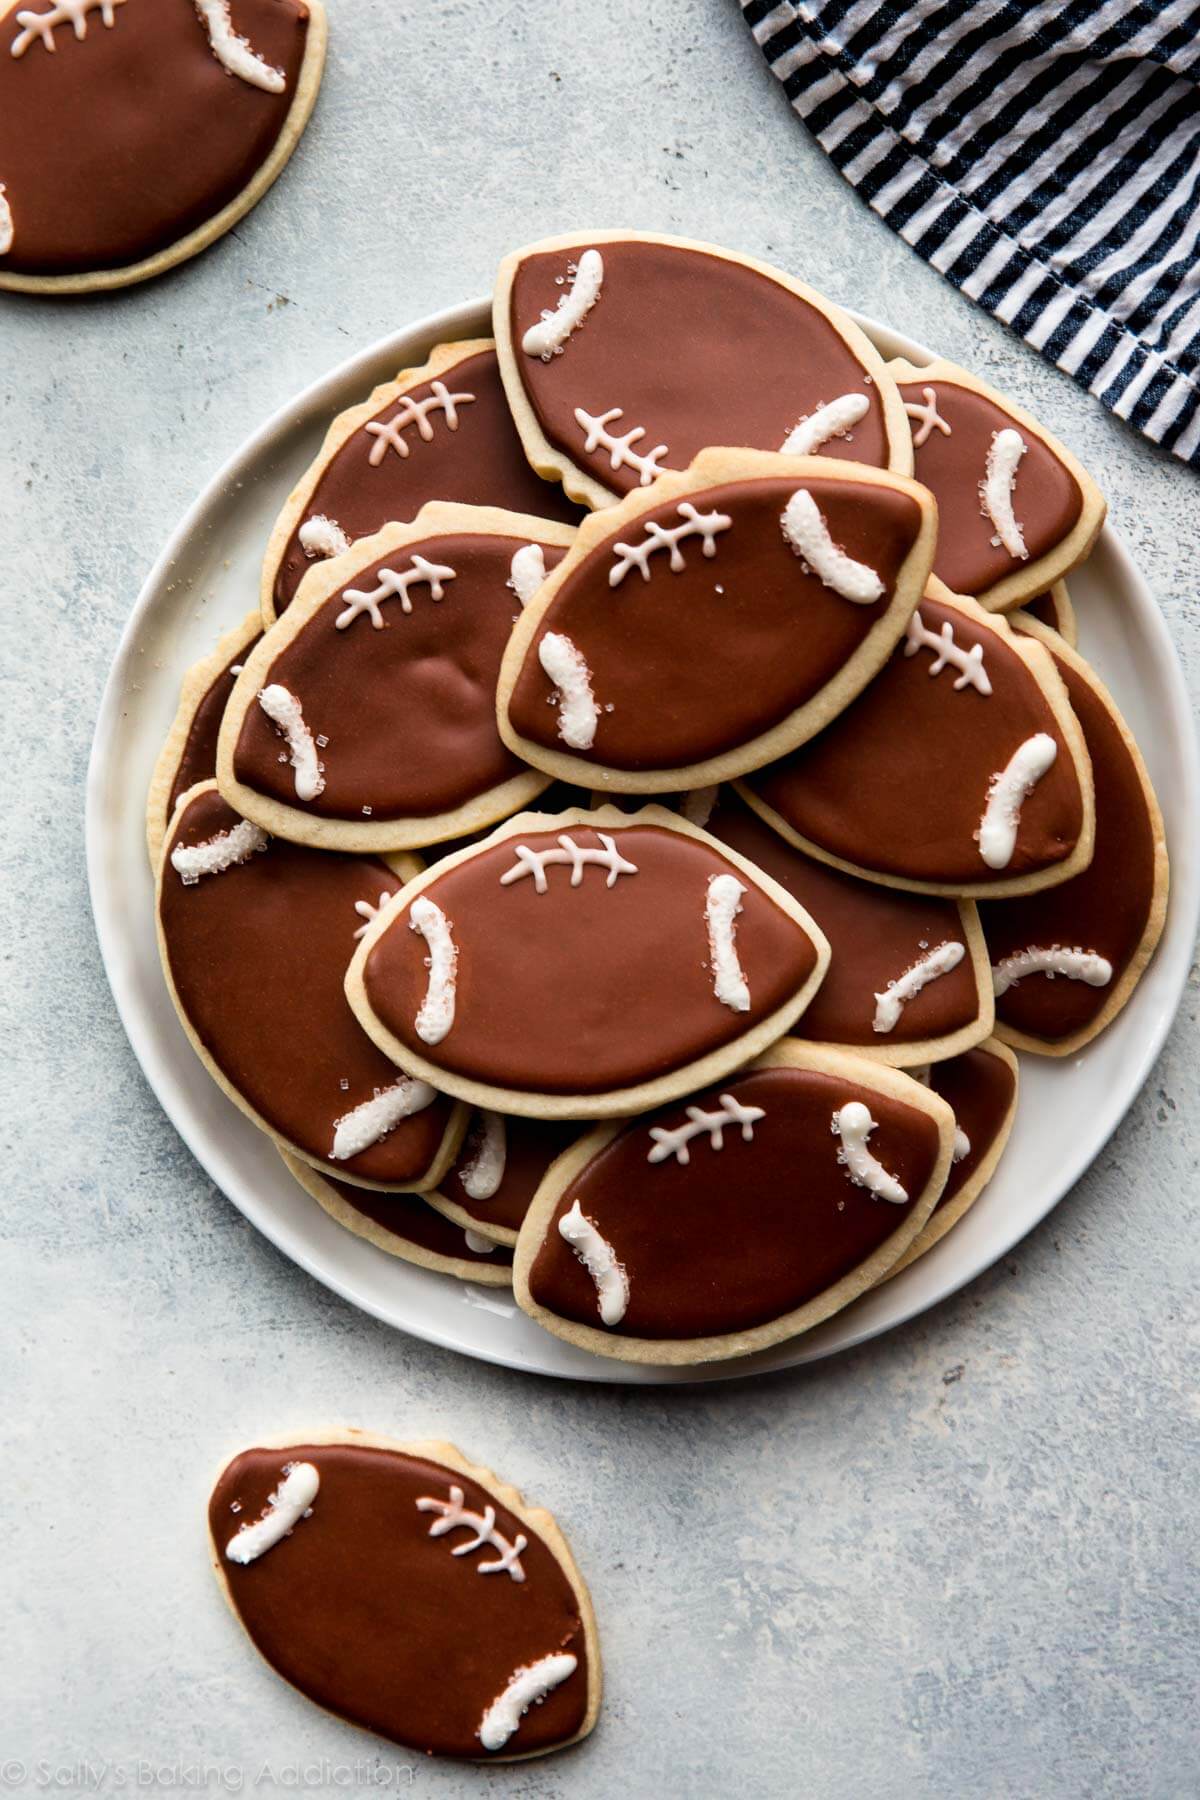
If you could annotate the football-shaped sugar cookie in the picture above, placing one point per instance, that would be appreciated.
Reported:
(715, 1227)
(704, 627)
(134, 132)
(410, 1592)
(190, 752)
(1064, 962)
(255, 935)
(1015, 509)
(625, 354)
(961, 769)
(583, 965)
(366, 718)
(440, 432)
(497, 1172)
(1054, 608)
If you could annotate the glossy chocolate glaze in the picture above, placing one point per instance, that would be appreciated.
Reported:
(380, 1623)
(739, 1236)
(408, 1219)
(1046, 497)
(410, 709)
(123, 142)
(480, 463)
(696, 349)
(697, 661)
(1105, 909)
(875, 933)
(198, 759)
(899, 782)
(586, 989)
(979, 1087)
(258, 956)
(531, 1145)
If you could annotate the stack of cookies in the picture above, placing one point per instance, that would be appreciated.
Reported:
(655, 796)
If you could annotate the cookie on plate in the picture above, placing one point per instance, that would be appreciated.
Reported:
(1054, 608)
(720, 1227)
(497, 1172)
(715, 621)
(135, 132)
(408, 1591)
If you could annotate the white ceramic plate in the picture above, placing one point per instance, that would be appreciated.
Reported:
(207, 578)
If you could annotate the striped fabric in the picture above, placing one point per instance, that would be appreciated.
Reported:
(1044, 155)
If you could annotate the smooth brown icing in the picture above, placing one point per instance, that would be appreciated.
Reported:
(1105, 909)
(378, 1622)
(695, 348)
(739, 1236)
(198, 759)
(583, 990)
(700, 660)
(530, 1146)
(899, 782)
(480, 462)
(979, 1087)
(258, 956)
(875, 934)
(408, 1219)
(1046, 496)
(123, 142)
(410, 709)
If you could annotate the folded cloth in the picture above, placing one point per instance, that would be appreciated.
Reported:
(1045, 157)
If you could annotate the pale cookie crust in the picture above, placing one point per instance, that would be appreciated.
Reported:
(324, 579)
(646, 1094)
(195, 685)
(303, 100)
(713, 468)
(1041, 666)
(1033, 577)
(675, 1352)
(577, 483)
(1064, 620)
(539, 1522)
(456, 1125)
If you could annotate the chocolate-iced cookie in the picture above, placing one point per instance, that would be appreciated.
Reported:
(960, 770)
(716, 1228)
(255, 935)
(1054, 608)
(1064, 962)
(1016, 510)
(625, 353)
(585, 965)
(497, 1172)
(713, 623)
(440, 432)
(366, 718)
(409, 1592)
(135, 132)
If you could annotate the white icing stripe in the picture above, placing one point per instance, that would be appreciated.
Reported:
(853, 1124)
(452, 1513)
(962, 1144)
(693, 523)
(577, 710)
(285, 1509)
(356, 1131)
(67, 12)
(284, 710)
(369, 912)
(1057, 959)
(216, 854)
(527, 1684)
(722, 905)
(931, 419)
(969, 663)
(528, 571)
(675, 1143)
(697, 806)
(536, 862)
(483, 1170)
(621, 453)
(1007, 449)
(233, 52)
(599, 1259)
(393, 585)
(389, 434)
(436, 1014)
(1007, 793)
(322, 536)
(6, 224)
(480, 1245)
(834, 420)
(554, 328)
(806, 531)
(890, 1004)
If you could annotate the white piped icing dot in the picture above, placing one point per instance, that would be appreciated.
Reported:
(962, 1144)
(285, 1508)
(722, 904)
(853, 1124)
(805, 529)
(600, 1260)
(892, 1001)
(531, 1682)
(567, 668)
(436, 1014)
(1007, 793)
(834, 420)
(216, 854)
(483, 1170)
(1004, 455)
(1055, 959)
(284, 711)
(476, 1242)
(554, 328)
(323, 536)
(527, 572)
(6, 223)
(358, 1129)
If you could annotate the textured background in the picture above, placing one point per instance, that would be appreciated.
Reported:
(960, 1562)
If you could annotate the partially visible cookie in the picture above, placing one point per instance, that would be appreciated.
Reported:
(1054, 608)
(497, 1172)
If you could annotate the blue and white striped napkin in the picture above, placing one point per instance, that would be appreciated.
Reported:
(1044, 156)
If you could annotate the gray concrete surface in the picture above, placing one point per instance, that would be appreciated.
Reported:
(960, 1563)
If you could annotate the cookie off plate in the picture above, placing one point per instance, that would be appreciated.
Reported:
(205, 580)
